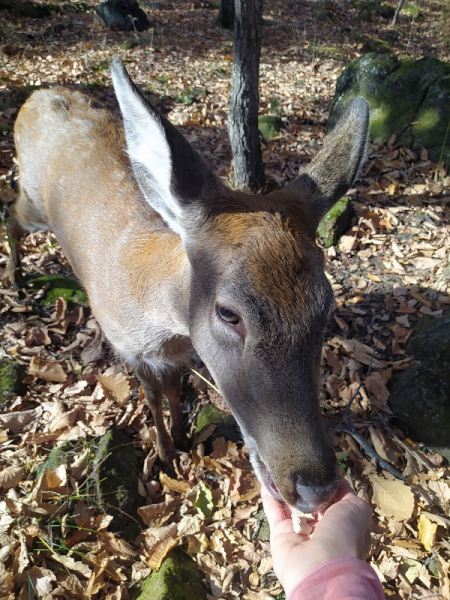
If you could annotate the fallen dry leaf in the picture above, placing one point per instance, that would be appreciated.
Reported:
(393, 498)
(49, 370)
(427, 532)
(10, 477)
(117, 384)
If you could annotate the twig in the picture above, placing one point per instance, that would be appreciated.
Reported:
(349, 428)
(397, 12)
(368, 449)
(204, 378)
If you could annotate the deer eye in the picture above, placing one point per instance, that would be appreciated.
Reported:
(227, 315)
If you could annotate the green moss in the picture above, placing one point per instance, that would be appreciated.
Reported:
(374, 45)
(59, 286)
(131, 43)
(190, 95)
(210, 415)
(117, 483)
(58, 455)
(336, 222)
(11, 379)
(269, 126)
(179, 578)
(411, 10)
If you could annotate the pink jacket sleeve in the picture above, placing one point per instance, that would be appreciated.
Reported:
(340, 579)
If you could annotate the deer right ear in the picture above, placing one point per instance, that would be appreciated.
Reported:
(333, 171)
(171, 175)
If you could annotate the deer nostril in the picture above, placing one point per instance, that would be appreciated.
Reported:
(314, 498)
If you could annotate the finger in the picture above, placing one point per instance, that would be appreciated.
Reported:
(275, 511)
(350, 508)
(344, 490)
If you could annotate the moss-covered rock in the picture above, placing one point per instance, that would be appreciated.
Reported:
(226, 424)
(409, 98)
(179, 578)
(131, 43)
(336, 222)
(420, 395)
(264, 527)
(117, 483)
(269, 126)
(59, 286)
(11, 379)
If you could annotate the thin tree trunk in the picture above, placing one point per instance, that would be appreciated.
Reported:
(397, 12)
(243, 116)
(226, 14)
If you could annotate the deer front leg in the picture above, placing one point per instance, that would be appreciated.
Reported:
(154, 395)
(14, 233)
(171, 382)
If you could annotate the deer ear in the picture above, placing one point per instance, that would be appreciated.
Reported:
(171, 175)
(333, 171)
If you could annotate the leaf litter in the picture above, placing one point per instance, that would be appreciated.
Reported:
(388, 272)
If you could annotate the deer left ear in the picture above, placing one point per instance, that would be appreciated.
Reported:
(335, 168)
(171, 175)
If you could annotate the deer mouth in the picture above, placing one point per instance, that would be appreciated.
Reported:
(271, 487)
(309, 499)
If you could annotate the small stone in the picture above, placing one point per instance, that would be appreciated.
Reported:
(335, 222)
(11, 379)
(179, 578)
(269, 126)
(226, 424)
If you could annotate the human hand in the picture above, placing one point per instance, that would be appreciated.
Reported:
(343, 531)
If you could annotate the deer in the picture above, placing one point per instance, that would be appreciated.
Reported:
(178, 266)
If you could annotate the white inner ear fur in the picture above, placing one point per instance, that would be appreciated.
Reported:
(149, 153)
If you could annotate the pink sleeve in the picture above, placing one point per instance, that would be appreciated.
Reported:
(340, 579)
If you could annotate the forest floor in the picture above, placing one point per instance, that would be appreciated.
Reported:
(387, 275)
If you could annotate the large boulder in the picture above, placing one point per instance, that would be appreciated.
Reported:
(122, 15)
(420, 395)
(409, 98)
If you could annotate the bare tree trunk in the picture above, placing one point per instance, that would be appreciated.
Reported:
(397, 12)
(243, 117)
(226, 14)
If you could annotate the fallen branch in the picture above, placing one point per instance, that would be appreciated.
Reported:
(368, 449)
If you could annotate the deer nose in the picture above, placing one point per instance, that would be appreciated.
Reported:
(312, 499)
